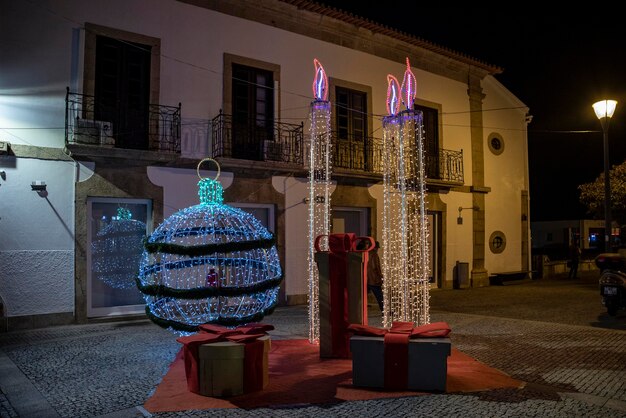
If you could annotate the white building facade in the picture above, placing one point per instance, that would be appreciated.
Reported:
(113, 104)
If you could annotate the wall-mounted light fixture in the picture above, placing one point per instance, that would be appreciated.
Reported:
(38, 186)
(459, 220)
(318, 199)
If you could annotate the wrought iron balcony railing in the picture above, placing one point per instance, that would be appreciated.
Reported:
(446, 166)
(257, 140)
(284, 142)
(97, 122)
(360, 154)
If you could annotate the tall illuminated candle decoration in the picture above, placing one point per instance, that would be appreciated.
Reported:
(406, 267)
(320, 166)
(419, 256)
(391, 265)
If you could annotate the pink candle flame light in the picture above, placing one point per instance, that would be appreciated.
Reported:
(409, 86)
(320, 82)
(393, 95)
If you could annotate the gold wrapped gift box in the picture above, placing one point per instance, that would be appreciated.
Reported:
(221, 368)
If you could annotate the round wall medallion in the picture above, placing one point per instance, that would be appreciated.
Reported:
(497, 242)
(495, 143)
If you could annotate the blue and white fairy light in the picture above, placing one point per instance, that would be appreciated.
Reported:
(405, 261)
(116, 250)
(209, 263)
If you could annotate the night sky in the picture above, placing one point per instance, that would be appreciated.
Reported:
(558, 64)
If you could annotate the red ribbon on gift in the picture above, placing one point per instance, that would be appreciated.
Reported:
(253, 352)
(339, 245)
(370, 247)
(396, 341)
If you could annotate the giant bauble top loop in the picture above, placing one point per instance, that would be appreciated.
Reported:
(206, 160)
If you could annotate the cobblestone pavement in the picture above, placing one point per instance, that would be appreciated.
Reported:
(109, 370)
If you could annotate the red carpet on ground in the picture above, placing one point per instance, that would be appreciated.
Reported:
(299, 377)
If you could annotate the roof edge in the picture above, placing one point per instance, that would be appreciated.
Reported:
(379, 28)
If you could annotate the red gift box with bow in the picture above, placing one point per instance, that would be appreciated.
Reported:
(342, 291)
(255, 350)
(403, 357)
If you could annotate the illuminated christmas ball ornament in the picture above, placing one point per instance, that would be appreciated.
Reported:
(209, 263)
(116, 250)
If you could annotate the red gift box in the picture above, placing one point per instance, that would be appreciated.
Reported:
(342, 295)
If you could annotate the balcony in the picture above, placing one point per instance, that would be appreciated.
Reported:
(367, 156)
(257, 141)
(284, 143)
(114, 125)
(357, 154)
(446, 166)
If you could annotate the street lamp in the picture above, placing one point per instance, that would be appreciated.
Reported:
(604, 111)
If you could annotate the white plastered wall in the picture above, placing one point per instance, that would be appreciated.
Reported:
(36, 236)
(506, 174)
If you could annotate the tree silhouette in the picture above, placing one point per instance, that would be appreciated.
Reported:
(592, 194)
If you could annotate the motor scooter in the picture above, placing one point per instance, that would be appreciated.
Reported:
(612, 281)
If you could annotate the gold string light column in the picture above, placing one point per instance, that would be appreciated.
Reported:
(318, 201)
(405, 264)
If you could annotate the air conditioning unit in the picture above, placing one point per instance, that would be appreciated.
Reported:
(93, 132)
(5, 148)
(272, 151)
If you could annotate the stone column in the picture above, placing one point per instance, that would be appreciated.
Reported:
(479, 274)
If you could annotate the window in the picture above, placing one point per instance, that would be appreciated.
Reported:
(495, 142)
(351, 110)
(115, 235)
(431, 139)
(595, 237)
(121, 72)
(122, 90)
(253, 111)
(497, 242)
(263, 212)
(352, 148)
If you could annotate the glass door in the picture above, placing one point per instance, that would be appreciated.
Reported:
(122, 90)
(253, 111)
(115, 236)
(350, 219)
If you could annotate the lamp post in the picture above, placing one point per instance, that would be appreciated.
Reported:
(604, 110)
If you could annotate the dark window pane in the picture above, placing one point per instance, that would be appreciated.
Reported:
(122, 90)
(253, 111)
(351, 113)
(431, 139)
(351, 123)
